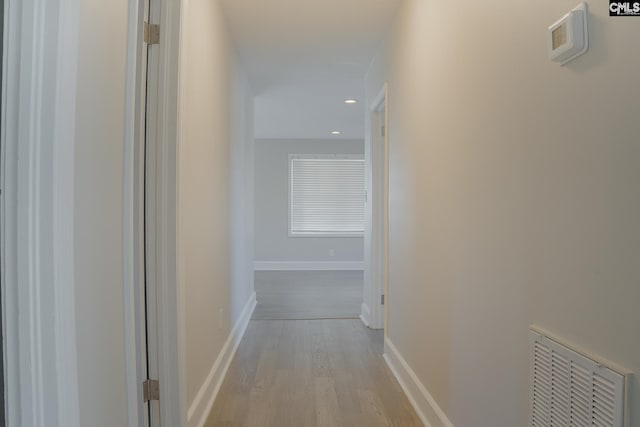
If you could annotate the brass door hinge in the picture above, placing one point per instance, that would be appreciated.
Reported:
(151, 33)
(151, 390)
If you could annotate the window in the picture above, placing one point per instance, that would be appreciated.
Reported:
(326, 195)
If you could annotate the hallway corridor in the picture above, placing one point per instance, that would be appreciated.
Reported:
(303, 373)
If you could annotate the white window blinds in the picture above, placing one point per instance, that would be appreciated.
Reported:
(326, 196)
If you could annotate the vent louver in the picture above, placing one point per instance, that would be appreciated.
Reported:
(569, 389)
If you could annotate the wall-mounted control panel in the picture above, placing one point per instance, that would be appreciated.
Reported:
(568, 37)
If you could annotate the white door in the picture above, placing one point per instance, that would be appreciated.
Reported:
(149, 207)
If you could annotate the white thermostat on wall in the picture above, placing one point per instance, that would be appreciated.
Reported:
(568, 36)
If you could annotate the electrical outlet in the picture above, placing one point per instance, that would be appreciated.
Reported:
(220, 319)
(332, 252)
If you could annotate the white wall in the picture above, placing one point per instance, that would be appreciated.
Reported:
(242, 193)
(98, 212)
(272, 241)
(215, 188)
(514, 197)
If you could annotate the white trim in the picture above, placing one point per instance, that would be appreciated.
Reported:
(9, 169)
(170, 299)
(170, 293)
(377, 227)
(365, 314)
(424, 404)
(202, 404)
(379, 99)
(3, 154)
(63, 198)
(296, 234)
(135, 346)
(307, 265)
(38, 212)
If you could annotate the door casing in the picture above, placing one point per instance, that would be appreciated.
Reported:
(167, 362)
(37, 203)
(378, 206)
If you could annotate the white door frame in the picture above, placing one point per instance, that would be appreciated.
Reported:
(37, 206)
(376, 259)
(169, 297)
(38, 139)
(133, 208)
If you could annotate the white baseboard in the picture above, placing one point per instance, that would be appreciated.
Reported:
(365, 314)
(202, 404)
(425, 405)
(308, 265)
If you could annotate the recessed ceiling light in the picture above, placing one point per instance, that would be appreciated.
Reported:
(350, 101)
(335, 132)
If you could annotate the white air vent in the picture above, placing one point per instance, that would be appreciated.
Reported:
(570, 389)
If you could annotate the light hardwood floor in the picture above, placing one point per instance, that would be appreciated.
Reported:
(308, 373)
(308, 294)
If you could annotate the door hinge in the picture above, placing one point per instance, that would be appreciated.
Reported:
(382, 299)
(382, 131)
(151, 390)
(151, 33)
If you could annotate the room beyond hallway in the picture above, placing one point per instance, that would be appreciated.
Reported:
(308, 294)
(306, 373)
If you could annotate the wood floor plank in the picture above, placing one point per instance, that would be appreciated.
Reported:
(310, 373)
(372, 408)
(319, 352)
(326, 403)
